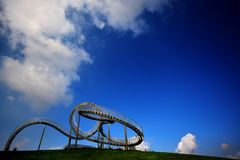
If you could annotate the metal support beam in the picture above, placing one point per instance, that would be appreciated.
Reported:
(98, 138)
(126, 139)
(69, 138)
(78, 125)
(41, 137)
(109, 145)
(102, 144)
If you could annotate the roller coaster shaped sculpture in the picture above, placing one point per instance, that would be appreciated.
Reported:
(97, 134)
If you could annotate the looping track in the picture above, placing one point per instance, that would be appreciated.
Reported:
(90, 111)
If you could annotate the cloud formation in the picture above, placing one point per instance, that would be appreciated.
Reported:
(48, 66)
(122, 15)
(187, 145)
(56, 148)
(45, 66)
(20, 144)
(225, 146)
(144, 146)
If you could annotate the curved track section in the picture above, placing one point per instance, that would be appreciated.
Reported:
(96, 112)
(89, 111)
(35, 121)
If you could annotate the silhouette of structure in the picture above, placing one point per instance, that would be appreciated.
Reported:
(97, 134)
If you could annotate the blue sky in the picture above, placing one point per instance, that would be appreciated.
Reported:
(173, 68)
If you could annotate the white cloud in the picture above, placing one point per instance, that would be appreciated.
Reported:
(187, 145)
(121, 15)
(144, 146)
(56, 148)
(20, 144)
(225, 146)
(48, 66)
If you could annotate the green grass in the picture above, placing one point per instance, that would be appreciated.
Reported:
(98, 154)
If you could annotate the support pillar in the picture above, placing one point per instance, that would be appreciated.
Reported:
(78, 125)
(41, 137)
(109, 144)
(102, 143)
(69, 138)
(126, 139)
(98, 138)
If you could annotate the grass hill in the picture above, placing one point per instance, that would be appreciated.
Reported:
(98, 154)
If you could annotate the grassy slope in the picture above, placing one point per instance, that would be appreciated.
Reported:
(95, 154)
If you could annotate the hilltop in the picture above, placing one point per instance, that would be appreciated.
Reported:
(99, 154)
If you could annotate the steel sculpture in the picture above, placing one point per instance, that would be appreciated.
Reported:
(89, 110)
